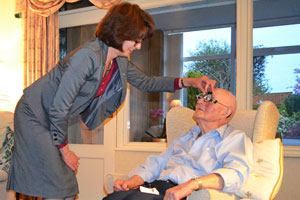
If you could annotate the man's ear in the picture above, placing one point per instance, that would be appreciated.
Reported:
(227, 112)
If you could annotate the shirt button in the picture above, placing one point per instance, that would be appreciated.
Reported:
(55, 139)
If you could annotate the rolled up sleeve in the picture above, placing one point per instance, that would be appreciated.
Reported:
(235, 152)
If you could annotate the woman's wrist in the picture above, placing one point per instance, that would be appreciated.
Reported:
(64, 150)
(63, 145)
(182, 83)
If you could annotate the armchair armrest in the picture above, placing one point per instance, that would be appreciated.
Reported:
(109, 181)
(211, 194)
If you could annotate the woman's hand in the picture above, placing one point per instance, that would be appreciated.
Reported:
(70, 158)
(203, 83)
(124, 185)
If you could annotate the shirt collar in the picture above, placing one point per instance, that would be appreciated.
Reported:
(221, 130)
(197, 131)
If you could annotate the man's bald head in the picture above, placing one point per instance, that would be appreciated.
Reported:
(215, 110)
(225, 97)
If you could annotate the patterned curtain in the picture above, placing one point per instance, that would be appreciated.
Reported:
(41, 34)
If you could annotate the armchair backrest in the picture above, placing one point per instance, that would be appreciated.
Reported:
(258, 124)
(178, 120)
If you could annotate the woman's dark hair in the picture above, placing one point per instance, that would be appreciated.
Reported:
(124, 21)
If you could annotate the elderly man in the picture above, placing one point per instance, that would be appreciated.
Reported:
(212, 155)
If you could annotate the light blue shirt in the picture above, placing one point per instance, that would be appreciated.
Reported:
(225, 151)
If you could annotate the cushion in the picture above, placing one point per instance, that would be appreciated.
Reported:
(6, 145)
(265, 179)
(6, 119)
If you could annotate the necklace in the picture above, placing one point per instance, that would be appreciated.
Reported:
(108, 68)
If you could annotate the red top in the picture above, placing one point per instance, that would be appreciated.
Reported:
(106, 79)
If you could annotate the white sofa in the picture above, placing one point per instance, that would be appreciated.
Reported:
(6, 119)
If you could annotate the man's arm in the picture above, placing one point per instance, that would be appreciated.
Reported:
(211, 181)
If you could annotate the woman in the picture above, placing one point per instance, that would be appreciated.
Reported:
(91, 82)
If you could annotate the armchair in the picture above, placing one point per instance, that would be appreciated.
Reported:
(260, 126)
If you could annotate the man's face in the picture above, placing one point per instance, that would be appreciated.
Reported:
(210, 107)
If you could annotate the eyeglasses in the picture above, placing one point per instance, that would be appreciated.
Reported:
(138, 42)
(209, 97)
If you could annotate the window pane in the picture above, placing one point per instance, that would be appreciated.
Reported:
(145, 118)
(71, 38)
(276, 36)
(198, 40)
(277, 79)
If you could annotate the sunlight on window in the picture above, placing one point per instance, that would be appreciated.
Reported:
(276, 36)
(191, 40)
(280, 72)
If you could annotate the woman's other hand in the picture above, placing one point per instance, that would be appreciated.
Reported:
(70, 158)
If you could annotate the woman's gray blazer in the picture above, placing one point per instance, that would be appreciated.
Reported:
(69, 88)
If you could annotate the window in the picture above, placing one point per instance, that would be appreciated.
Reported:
(210, 53)
(276, 66)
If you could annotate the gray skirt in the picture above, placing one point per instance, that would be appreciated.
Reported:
(37, 168)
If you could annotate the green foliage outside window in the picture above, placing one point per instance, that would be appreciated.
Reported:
(192, 92)
(260, 83)
(292, 104)
(289, 116)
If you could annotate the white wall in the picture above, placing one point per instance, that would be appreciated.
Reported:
(11, 70)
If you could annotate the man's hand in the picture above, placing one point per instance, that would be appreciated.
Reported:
(180, 191)
(211, 181)
(70, 158)
(203, 83)
(133, 183)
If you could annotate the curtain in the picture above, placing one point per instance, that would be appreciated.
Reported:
(41, 45)
(41, 34)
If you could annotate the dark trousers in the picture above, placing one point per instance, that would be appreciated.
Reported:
(161, 186)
